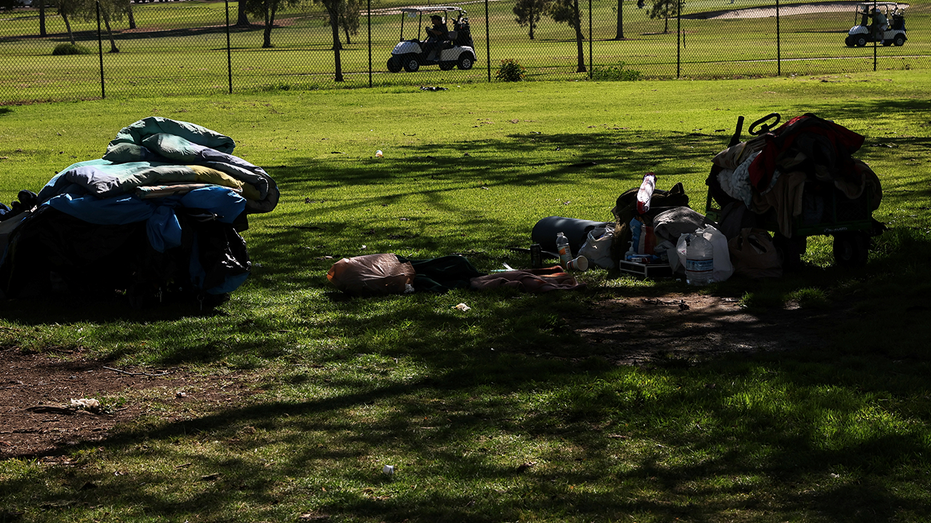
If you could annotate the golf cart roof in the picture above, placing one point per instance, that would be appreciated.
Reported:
(870, 5)
(430, 9)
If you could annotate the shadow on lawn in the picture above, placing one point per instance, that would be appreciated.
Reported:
(838, 436)
(766, 461)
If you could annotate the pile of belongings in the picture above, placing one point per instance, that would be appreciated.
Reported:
(388, 273)
(791, 176)
(158, 216)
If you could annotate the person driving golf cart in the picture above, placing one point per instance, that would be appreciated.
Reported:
(880, 23)
(436, 35)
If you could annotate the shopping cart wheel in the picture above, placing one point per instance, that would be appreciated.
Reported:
(851, 249)
(790, 250)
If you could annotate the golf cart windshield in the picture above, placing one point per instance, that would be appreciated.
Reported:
(448, 13)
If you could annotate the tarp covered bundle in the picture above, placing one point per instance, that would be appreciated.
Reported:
(161, 210)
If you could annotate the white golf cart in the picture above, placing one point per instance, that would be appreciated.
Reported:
(456, 51)
(866, 31)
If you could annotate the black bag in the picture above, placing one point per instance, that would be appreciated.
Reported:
(626, 209)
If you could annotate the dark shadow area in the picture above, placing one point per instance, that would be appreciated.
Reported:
(709, 359)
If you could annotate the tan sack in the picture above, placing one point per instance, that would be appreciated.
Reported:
(372, 275)
(754, 254)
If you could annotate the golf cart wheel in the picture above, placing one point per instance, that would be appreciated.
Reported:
(851, 249)
(465, 62)
(861, 41)
(899, 41)
(411, 64)
(849, 41)
(446, 66)
(394, 65)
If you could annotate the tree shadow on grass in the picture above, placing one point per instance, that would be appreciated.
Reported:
(676, 440)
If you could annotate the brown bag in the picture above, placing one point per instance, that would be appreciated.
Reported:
(372, 274)
(754, 254)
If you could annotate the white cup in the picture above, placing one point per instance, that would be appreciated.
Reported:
(578, 264)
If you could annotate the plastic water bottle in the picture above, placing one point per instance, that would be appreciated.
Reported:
(699, 261)
(562, 246)
(635, 227)
(645, 194)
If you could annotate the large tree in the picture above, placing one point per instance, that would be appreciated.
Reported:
(110, 10)
(620, 20)
(267, 10)
(67, 9)
(350, 15)
(665, 9)
(567, 11)
(333, 10)
(530, 12)
(242, 15)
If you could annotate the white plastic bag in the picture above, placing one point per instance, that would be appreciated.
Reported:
(597, 247)
(723, 268)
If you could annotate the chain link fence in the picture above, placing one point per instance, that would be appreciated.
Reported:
(110, 48)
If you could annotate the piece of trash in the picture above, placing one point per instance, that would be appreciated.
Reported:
(463, 307)
(379, 154)
(88, 404)
(433, 88)
(388, 470)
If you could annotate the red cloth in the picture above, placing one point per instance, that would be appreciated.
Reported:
(844, 141)
(533, 280)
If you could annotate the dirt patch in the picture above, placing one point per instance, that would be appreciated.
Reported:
(36, 390)
(641, 331)
(39, 418)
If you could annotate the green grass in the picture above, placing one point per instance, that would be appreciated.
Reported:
(180, 48)
(498, 413)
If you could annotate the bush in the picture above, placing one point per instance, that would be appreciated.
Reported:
(63, 49)
(510, 71)
(616, 73)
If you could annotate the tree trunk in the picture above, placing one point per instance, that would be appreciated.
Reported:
(269, 23)
(242, 18)
(42, 31)
(531, 21)
(346, 32)
(106, 23)
(620, 20)
(334, 25)
(132, 19)
(579, 37)
(68, 27)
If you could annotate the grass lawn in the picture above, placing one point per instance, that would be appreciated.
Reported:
(504, 412)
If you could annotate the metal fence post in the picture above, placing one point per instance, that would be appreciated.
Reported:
(229, 52)
(778, 43)
(678, 38)
(103, 93)
(487, 43)
(590, 48)
(370, 40)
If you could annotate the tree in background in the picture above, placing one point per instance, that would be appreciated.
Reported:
(333, 10)
(567, 11)
(110, 10)
(665, 9)
(242, 16)
(350, 13)
(67, 9)
(620, 20)
(268, 9)
(529, 13)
